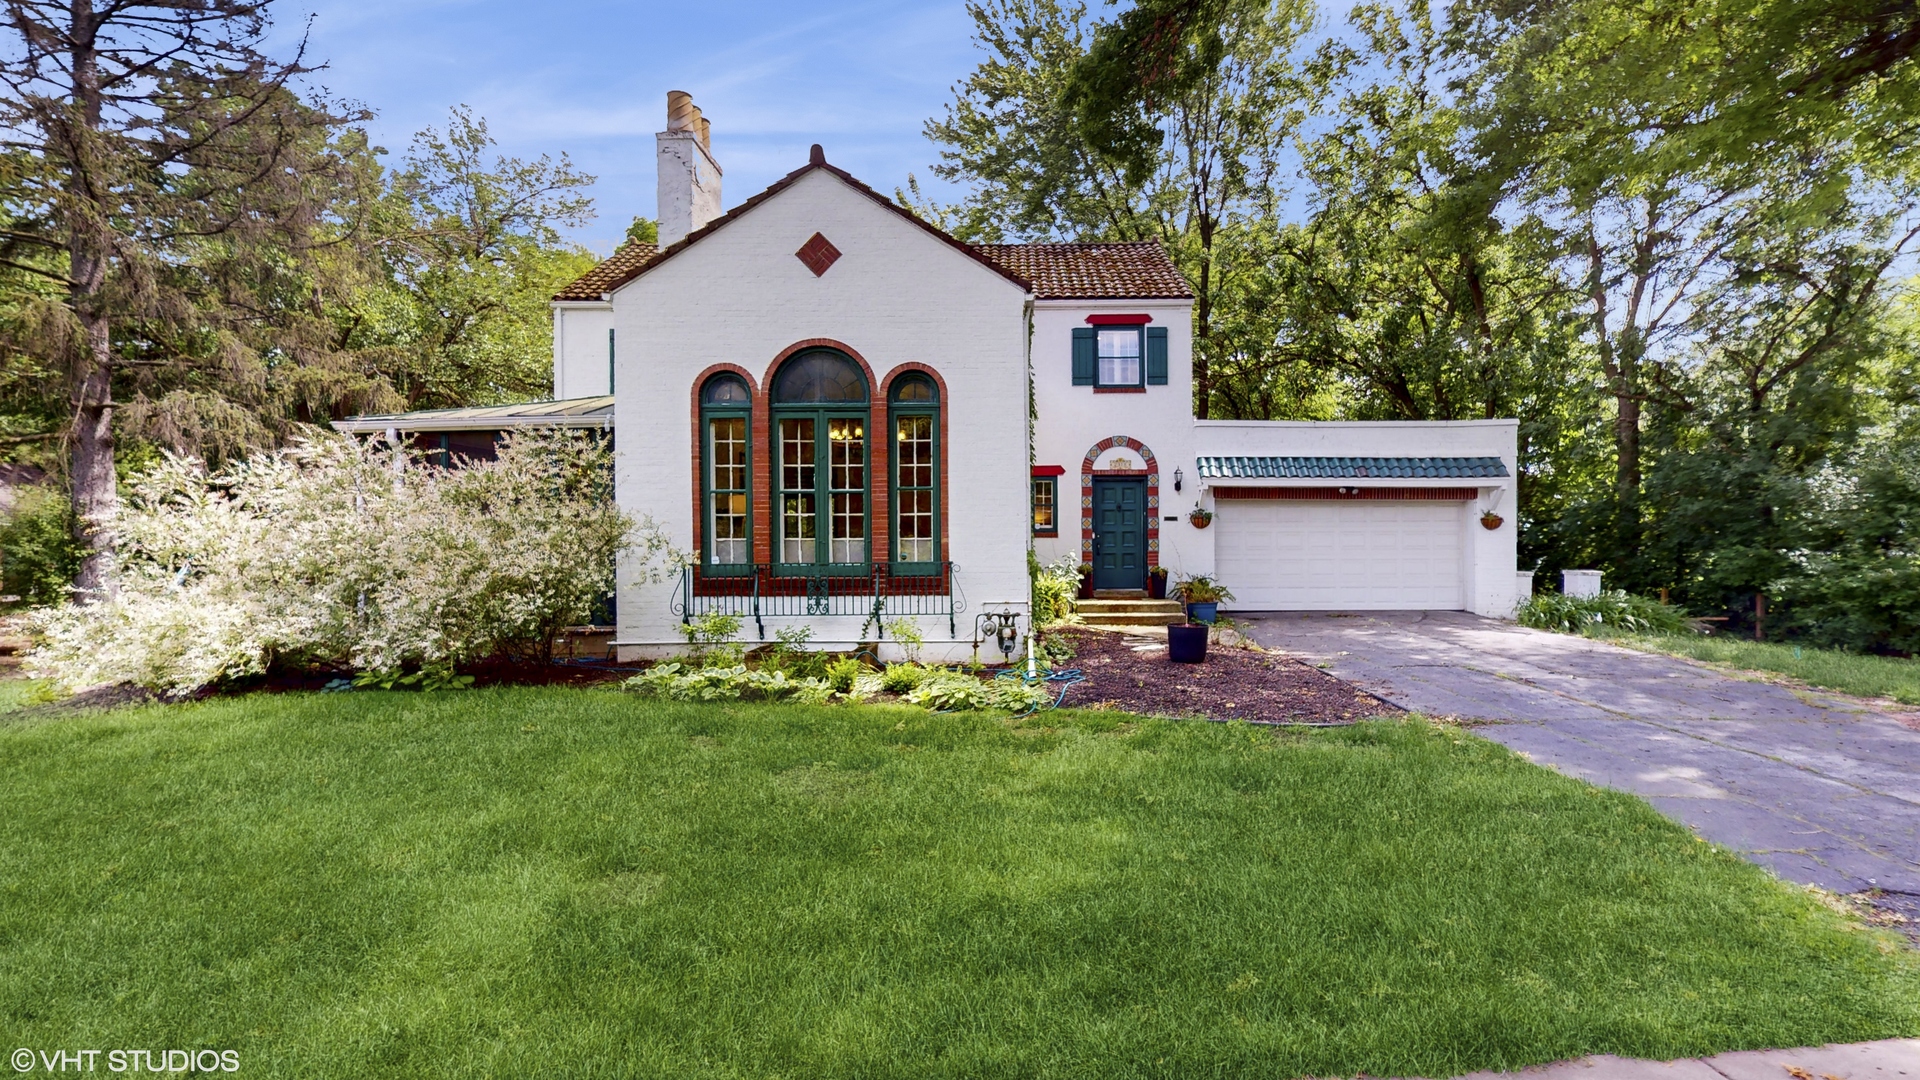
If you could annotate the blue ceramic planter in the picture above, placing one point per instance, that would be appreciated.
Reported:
(1203, 613)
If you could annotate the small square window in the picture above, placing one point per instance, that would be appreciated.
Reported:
(1118, 349)
(1045, 504)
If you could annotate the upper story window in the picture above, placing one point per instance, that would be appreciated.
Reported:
(820, 460)
(1118, 350)
(1120, 356)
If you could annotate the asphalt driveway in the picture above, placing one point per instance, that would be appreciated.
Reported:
(1823, 789)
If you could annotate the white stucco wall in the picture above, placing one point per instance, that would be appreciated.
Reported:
(897, 294)
(1491, 555)
(1070, 419)
(580, 348)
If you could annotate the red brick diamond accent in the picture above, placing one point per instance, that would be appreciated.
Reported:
(818, 253)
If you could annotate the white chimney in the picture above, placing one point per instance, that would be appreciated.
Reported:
(689, 183)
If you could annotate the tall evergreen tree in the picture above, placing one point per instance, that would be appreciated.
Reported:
(140, 133)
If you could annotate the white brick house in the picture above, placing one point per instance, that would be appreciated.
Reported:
(848, 417)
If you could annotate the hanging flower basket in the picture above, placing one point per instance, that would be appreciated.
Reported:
(1200, 518)
(1491, 520)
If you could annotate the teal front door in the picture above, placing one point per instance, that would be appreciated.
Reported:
(1119, 534)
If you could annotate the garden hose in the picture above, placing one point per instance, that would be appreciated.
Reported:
(1066, 677)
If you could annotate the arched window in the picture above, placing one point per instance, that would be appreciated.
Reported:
(820, 419)
(914, 416)
(725, 419)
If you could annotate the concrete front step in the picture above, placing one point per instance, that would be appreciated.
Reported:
(1131, 612)
(1134, 618)
(1143, 604)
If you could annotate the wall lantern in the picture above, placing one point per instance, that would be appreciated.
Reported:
(1178, 478)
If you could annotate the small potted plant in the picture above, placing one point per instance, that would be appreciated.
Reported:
(1491, 521)
(1200, 516)
(1086, 581)
(1202, 595)
(1156, 583)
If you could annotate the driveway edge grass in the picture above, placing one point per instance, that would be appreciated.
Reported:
(1883, 680)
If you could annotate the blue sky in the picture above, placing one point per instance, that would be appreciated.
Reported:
(589, 78)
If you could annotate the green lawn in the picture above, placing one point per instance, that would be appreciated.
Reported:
(20, 693)
(1849, 673)
(566, 883)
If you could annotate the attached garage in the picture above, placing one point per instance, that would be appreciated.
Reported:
(1343, 553)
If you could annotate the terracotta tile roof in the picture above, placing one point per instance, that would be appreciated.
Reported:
(1120, 271)
(630, 256)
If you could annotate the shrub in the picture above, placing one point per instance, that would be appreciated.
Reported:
(842, 673)
(1056, 589)
(789, 653)
(900, 678)
(710, 640)
(1614, 608)
(340, 553)
(38, 554)
(1054, 650)
(907, 633)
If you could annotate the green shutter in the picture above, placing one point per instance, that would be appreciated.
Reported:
(1085, 362)
(1156, 356)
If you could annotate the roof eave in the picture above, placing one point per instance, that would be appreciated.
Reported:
(1351, 481)
(373, 425)
(630, 276)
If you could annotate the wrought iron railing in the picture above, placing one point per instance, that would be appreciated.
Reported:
(877, 593)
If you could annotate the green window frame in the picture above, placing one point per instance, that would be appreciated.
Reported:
(1046, 506)
(726, 471)
(822, 476)
(913, 419)
(1120, 356)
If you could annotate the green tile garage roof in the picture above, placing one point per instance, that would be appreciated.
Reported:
(1350, 468)
(584, 412)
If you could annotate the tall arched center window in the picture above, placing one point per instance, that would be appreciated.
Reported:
(725, 419)
(820, 461)
(914, 415)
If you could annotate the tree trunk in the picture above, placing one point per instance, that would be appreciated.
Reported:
(94, 483)
(1626, 430)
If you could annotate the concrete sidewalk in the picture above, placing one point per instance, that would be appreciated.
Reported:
(1887, 1059)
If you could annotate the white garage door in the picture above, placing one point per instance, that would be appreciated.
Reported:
(1314, 555)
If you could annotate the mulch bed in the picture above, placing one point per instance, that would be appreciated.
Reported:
(1134, 674)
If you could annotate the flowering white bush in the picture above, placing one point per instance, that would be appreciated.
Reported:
(343, 553)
